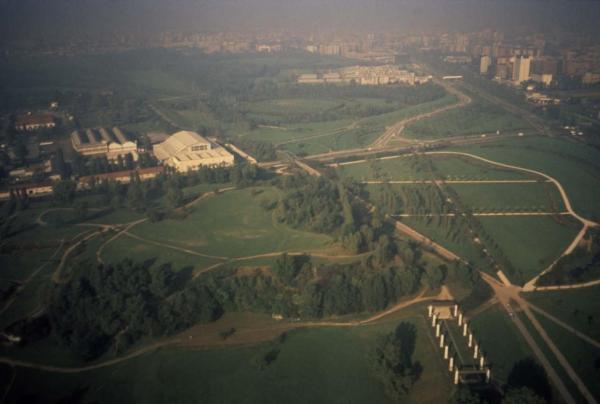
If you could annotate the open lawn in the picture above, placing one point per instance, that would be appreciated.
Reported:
(452, 168)
(530, 243)
(500, 341)
(318, 137)
(313, 365)
(464, 168)
(507, 197)
(474, 119)
(573, 164)
(579, 308)
(233, 224)
(129, 248)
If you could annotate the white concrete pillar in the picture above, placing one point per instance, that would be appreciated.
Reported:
(460, 318)
(456, 376)
(442, 340)
(470, 339)
(433, 319)
(476, 351)
(465, 328)
(488, 375)
(445, 351)
(437, 330)
(455, 310)
(430, 311)
(451, 364)
(481, 362)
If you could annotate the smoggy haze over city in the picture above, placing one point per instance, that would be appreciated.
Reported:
(30, 18)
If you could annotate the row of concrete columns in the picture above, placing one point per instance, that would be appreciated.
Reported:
(472, 343)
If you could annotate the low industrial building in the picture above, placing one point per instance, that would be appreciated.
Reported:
(96, 142)
(122, 177)
(188, 150)
(31, 122)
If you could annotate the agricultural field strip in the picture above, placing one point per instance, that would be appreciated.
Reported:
(153, 347)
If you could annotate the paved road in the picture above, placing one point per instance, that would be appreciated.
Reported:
(508, 295)
(484, 214)
(454, 182)
(396, 129)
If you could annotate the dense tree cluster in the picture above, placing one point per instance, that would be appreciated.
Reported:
(295, 287)
(333, 207)
(115, 305)
(163, 191)
(391, 359)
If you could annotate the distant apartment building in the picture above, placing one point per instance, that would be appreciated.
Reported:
(364, 75)
(521, 69)
(96, 142)
(459, 60)
(484, 64)
(32, 122)
(591, 78)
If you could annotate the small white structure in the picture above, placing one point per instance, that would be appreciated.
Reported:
(186, 150)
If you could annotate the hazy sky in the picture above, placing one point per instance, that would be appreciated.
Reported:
(80, 17)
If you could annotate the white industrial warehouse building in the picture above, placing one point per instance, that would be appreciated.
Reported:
(188, 150)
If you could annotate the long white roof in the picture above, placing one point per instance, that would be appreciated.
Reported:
(177, 143)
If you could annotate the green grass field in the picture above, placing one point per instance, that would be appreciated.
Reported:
(314, 365)
(530, 243)
(286, 106)
(404, 168)
(319, 137)
(573, 164)
(500, 341)
(233, 224)
(125, 247)
(510, 197)
(477, 118)
(578, 307)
